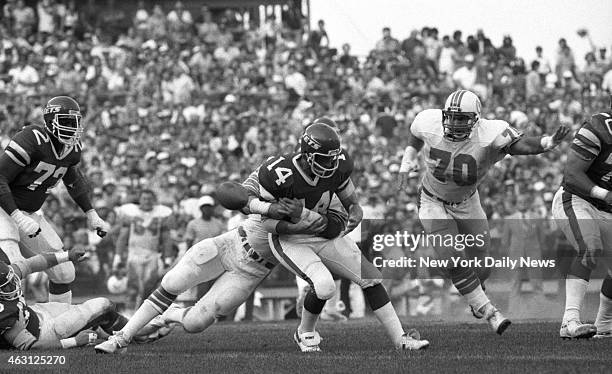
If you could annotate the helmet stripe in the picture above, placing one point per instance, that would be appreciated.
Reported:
(460, 97)
(453, 97)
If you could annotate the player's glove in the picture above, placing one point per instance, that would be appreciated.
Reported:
(550, 142)
(77, 254)
(26, 224)
(96, 223)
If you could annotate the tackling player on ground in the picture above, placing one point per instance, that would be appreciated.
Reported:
(459, 148)
(34, 162)
(49, 325)
(582, 207)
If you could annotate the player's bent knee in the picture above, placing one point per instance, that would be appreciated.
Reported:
(174, 281)
(199, 319)
(324, 288)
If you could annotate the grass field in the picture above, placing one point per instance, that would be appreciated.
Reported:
(351, 347)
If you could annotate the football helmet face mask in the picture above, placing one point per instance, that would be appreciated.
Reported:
(62, 117)
(10, 284)
(460, 114)
(320, 145)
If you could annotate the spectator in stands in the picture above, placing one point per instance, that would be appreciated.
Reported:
(388, 44)
(533, 81)
(207, 226)
(318, 38)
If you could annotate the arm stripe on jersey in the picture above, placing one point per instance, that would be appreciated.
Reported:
(19, 149)
(585, 154)
(586, 142)
(590, 136)
(14, 158)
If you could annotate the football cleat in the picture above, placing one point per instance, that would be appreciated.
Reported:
(575, 329)
(116, 343)
(308, 341)
(496, 320)
(411, 341)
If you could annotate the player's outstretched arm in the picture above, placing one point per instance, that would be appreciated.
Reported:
(78, 189)
(532, 145)
(45, 261)
(410, 162)
(234, 196)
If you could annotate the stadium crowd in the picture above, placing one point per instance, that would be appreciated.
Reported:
(183, 99)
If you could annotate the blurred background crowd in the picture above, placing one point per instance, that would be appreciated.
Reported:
(180, 97)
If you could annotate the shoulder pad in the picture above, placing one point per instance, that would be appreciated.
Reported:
(428, 121)
(24, 145)
(601, 125)
(276, 175)
(497, 133)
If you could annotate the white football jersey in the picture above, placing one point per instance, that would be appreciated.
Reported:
(145, 227)
(454, 169)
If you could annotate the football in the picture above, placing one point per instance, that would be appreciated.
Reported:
(232, 195)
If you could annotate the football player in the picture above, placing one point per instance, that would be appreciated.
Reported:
(144, 231)
(310, 178)
(34, 162)
(459, 147)
(582, 207)
(49, 325)
(237, 261)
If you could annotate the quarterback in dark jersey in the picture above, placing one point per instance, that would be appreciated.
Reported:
(308, 179)
(34, 161)
(583, 209)
(49, 325)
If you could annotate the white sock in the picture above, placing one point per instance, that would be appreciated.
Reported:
(65, 298)
(575, 289)
(308, 322)
(143, 315)
(604, 315)
(393, 327)
(477, 298)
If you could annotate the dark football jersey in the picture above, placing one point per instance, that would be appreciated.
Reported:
(31, 148)
(594, 142)
(281, 176)
(10, 312)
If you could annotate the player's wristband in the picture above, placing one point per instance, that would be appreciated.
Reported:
(68, 343)
(599, 193)
(547, 143)
(61, 257)
(257, 206)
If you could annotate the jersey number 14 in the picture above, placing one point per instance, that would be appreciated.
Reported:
(464, 167)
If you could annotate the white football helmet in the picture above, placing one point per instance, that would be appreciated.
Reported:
(459, 115)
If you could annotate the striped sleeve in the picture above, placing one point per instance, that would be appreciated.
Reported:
(586, 144)
(18, 154)
(252, 182)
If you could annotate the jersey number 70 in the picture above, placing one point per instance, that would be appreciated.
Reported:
(464, 167)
